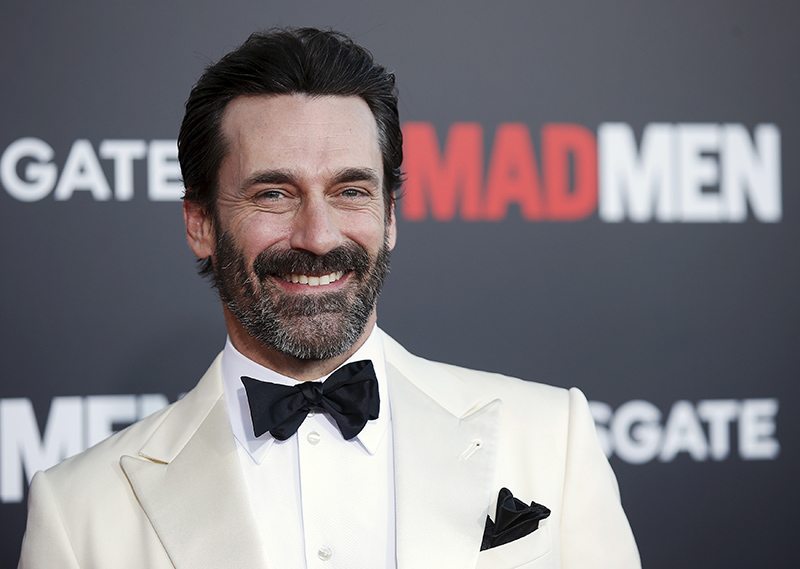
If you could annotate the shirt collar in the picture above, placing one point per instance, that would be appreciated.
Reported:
(235, 365)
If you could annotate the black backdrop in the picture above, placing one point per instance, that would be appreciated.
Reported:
(680, 324)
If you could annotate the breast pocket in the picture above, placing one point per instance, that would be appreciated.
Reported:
(527, 552)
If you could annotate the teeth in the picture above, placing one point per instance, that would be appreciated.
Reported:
(313, 280)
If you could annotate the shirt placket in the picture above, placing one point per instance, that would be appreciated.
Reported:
(318, 498)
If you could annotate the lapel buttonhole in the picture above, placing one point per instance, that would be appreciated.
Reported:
(473, 447)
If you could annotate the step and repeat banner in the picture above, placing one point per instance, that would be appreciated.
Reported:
(599, 194)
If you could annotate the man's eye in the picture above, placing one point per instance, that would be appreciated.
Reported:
(352, 193)
(270, 195)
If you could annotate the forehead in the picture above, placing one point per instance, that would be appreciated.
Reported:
(309, 135)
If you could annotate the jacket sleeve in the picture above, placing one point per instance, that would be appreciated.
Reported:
(595, 532)
(45, 544)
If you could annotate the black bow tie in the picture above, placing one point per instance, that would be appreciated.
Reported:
(349, 395)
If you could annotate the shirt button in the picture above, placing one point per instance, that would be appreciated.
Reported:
(324, 553)
(313, 438)
(311, 414)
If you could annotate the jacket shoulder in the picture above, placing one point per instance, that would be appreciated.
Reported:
(518, 395)
(101, 461)
(504, 383)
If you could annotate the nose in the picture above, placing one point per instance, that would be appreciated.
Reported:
(315, 228)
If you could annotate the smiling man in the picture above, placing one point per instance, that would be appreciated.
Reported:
(314, 439)
(302, 227)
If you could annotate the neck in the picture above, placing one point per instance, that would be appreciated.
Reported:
(284, 364)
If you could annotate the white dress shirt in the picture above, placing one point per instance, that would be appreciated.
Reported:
(319, 501)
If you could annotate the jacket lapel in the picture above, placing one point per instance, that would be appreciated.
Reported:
(188, 480)
(444, 433)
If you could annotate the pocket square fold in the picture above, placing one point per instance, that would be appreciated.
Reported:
(513, 520)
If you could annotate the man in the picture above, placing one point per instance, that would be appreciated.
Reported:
(291, 151)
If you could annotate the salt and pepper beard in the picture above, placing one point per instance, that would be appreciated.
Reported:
(314, 326)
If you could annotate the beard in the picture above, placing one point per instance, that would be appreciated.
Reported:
(314, 326)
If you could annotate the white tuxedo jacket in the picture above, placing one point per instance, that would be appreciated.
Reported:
(168, 491)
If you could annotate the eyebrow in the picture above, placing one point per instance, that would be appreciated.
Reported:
(349, 175)
(267, 177)
(343, 176)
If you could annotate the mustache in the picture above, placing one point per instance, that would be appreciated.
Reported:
(347, 257)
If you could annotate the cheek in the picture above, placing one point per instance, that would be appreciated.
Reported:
(370, 239)
(367, 229)
(254, 236)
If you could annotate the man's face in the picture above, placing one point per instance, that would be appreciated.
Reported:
(301, 244)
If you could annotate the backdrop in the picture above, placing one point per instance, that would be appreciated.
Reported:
(600, 194)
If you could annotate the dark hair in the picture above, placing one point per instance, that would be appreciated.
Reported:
(277, 62)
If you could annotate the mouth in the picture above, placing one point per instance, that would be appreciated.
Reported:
(313, 280)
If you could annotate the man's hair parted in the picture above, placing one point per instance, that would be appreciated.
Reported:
(284, 61)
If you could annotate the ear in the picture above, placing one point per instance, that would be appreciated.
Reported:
(199, 229)
(391, 227)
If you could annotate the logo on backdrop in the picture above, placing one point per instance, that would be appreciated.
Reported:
(709, 430)
(674, 172)
(636, 432)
